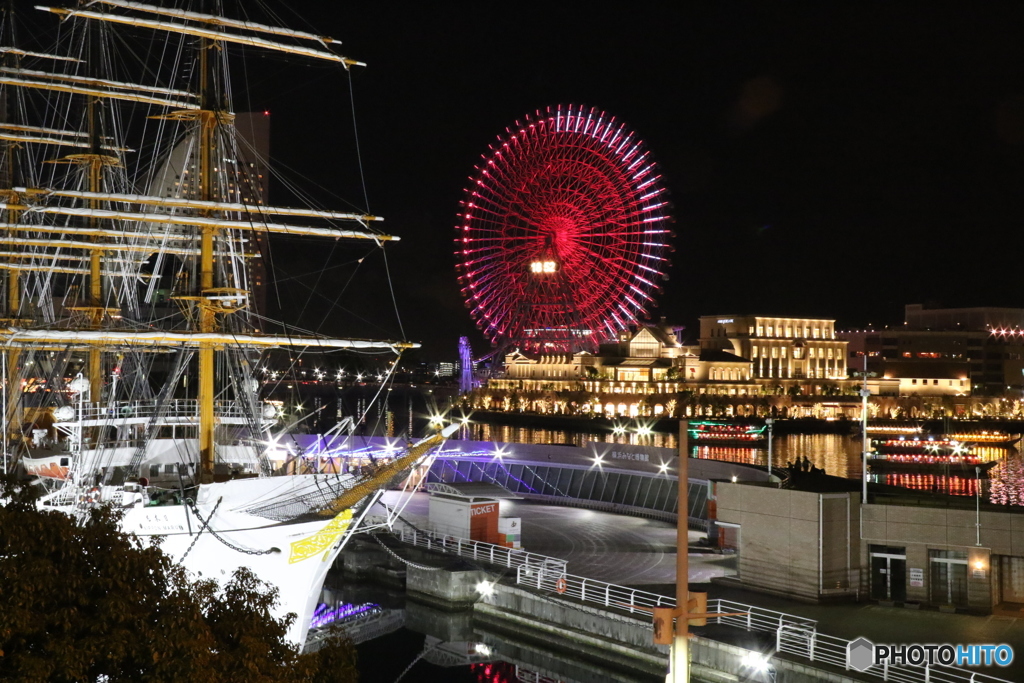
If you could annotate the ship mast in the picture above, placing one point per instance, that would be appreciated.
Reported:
(95, 160)
(209, 210)
(209, 119)
(8, 180)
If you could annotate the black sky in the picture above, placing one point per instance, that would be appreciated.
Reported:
(824, 159)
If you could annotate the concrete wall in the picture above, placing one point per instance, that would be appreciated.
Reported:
(794, 543)
(445, 589)
(921, 530)
(817, 546)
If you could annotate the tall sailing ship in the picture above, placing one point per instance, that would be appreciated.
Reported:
(130, 341)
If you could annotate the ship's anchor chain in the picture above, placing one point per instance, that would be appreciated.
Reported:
(398, 557)
(206, 527)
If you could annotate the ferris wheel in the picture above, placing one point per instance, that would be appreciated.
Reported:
(563, 234)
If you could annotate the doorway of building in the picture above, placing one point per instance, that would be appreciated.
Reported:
(888, 573)
(948, 577)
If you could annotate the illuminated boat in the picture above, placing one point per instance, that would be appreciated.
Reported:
(964, 465)
(994, 438)
(727, 433)
(931, 445)
(892, 430)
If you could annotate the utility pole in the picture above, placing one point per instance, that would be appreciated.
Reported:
(691, 608)
(679, 659)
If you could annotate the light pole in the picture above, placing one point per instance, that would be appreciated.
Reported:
(865, 444)
(769, 422)
(977, 506)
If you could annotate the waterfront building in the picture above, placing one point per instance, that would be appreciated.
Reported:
(820, 546)
(649, 372)
(946, 351)
(779, 348)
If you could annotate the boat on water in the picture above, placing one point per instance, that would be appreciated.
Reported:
(956, 442)
(132, 229)
(727, 433)
(965, 465)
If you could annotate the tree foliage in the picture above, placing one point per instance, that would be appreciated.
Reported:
(89, 602)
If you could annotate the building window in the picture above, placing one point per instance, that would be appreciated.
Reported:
(760, 331)
(750, 330)
(753, 351)
(913, 381)
(784, 351)
(775, 352)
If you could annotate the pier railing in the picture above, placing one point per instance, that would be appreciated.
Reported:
(481, 552)
(794, 635)
(826, 649)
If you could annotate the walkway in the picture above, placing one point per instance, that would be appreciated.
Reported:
(639, 553)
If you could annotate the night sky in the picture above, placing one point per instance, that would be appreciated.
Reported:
(828, 159)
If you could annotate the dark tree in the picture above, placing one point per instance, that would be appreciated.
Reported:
(83, 602)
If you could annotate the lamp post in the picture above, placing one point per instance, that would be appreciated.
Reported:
(679, 657)
(865, 444)
(672, 625)
(977, 506)
(769, 422)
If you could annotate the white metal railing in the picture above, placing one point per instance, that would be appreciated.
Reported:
(480, 551)
(758, 618)
(819, 647)
(589, 590)
(175, 408)
(795, 635)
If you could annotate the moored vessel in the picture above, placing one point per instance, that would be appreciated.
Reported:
(133, 228)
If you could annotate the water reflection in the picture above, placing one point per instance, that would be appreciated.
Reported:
(403, 640)
(838, 455)
(480, 431)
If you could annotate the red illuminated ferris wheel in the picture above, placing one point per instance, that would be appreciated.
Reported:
(564, 232)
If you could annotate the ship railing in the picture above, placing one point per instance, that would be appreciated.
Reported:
(176, 408)
(499, 555)
(794, 635)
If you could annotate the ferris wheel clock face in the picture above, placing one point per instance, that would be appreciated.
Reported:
(563, 234)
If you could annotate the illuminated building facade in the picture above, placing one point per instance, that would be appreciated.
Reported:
(253, 180)
(946, 351)
(778, 348)
(650, 373)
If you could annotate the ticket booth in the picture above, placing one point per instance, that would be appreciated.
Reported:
(471, 510)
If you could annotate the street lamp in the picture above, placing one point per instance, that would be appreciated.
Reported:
(769, 422)
(864, 393)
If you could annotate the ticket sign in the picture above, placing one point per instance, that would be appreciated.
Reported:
(916, 577)
(483, 522)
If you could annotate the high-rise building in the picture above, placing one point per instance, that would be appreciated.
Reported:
(253, 186)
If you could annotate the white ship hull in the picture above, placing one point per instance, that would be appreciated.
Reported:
(293, 558)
